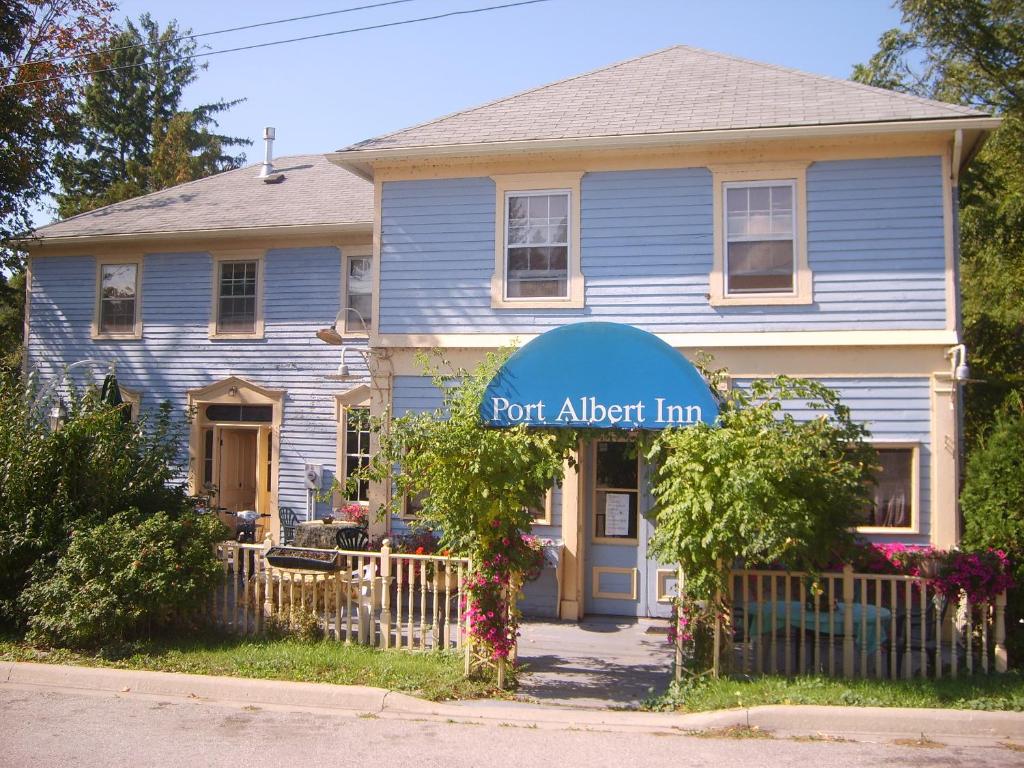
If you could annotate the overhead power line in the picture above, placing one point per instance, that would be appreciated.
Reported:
(73, 56)
(253, 46)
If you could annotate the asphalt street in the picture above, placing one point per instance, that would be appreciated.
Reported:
(47, 727)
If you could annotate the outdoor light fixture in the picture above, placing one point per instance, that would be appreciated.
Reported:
(333, 336)
(958, 363)
(58, 415)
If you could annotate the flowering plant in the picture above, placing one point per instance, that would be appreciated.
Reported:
(691, 630)
(354, 513)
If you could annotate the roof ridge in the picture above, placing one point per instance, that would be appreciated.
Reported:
(827, 78)
(220, 174)
(515, 95)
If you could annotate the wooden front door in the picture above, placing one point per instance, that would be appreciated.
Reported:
(238, 471)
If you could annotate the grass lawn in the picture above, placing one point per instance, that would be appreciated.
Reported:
(984, 692)
(431, 675)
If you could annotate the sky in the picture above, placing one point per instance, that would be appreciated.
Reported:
(324, 94)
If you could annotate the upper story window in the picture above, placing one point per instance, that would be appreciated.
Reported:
(537, 251)
(357, 450)
(760, 236)
(117, 300)
(537, 245)
(237, 296)
(760, 223)
(358, 294)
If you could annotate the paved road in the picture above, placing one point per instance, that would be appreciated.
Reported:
(45, 727)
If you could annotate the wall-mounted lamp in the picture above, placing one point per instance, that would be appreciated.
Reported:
(959, 369)
(58, 415)
(332, 336)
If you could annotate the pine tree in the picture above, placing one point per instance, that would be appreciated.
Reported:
(133, 135)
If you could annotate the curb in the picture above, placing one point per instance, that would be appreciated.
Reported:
(803, 720)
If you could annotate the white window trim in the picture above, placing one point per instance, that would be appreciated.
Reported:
(220, 257)
(136, 332)
(538, 183)
(359, 397)
(724, 176)
(133, 398)
(915, 490)
(548, 508)
(356, 252)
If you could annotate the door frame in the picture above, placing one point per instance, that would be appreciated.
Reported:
(234, 390)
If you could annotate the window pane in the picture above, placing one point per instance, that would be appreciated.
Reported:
(893, 490)
(782, 198)
(736, 201)
(237, 299)
(117, 297)
(360, 294)
(760, 267)
(760, 199)
(517, 208)
(617, 465)
(537, 254)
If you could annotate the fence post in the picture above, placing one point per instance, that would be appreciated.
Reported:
(385, 597)
(675, 618)
(847, 620)
(1002, 661)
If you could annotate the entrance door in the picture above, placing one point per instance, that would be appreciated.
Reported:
(620, 579)
(238, 452)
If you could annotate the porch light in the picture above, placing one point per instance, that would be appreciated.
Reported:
(58, 415)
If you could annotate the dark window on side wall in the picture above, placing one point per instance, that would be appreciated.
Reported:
(236, 297)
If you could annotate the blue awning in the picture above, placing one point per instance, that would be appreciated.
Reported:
(603, 375)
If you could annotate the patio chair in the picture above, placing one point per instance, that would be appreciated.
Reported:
(289, 522)
(353, 539)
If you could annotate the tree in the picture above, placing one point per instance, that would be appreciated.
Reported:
(40, 42)
(132, 134)
(759, 485)
(972, 52)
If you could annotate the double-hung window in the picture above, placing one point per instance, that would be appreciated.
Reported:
(537, 245)
(537, 248)
(117, 310)
(237, 295)
(760, 235)
(760, 227)
(358, 294)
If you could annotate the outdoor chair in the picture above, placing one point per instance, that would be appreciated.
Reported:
(353, 539)
(289, 522)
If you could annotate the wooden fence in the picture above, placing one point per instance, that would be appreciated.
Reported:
(858, 625)
(382, 599)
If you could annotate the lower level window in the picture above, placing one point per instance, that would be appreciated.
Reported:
(892, 493)
(357, 450)
(616, 491)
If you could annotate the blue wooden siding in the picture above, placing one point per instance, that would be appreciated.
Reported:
(301, 295)
(875, 246)
(895, 410)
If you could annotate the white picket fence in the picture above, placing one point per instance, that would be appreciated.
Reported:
(381, 599)
(861, 625)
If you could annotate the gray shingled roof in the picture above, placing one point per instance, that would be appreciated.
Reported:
(314, 192)
(680, 89)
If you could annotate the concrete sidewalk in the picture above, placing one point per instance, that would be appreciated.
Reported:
(856, 723)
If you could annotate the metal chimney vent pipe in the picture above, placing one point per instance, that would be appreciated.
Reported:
(268, 154)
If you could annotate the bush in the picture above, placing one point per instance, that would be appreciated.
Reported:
(993, 507)
(123, 578)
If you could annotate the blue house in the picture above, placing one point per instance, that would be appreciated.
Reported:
(783, 222)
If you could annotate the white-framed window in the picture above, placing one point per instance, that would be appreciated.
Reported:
(356, 450)
(118, 300)
(537, 249)
(541, 514)
(894, 501)
(537, 244)
(760, 238)
(358, 293)
(237, 310)
(760, 235)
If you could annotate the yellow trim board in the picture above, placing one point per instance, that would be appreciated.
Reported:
(698, 340)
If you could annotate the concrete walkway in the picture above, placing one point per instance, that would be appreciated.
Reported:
(602, 662)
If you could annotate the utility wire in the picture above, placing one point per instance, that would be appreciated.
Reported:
(87, 54)
(449, 14)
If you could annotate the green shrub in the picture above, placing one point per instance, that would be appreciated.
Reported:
(993, 508)
(95, 466)
(124, 577)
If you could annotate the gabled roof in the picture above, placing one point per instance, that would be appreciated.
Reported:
(677, 90)
(314, 193)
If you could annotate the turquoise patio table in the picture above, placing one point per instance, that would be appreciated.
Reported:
(818, 621)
